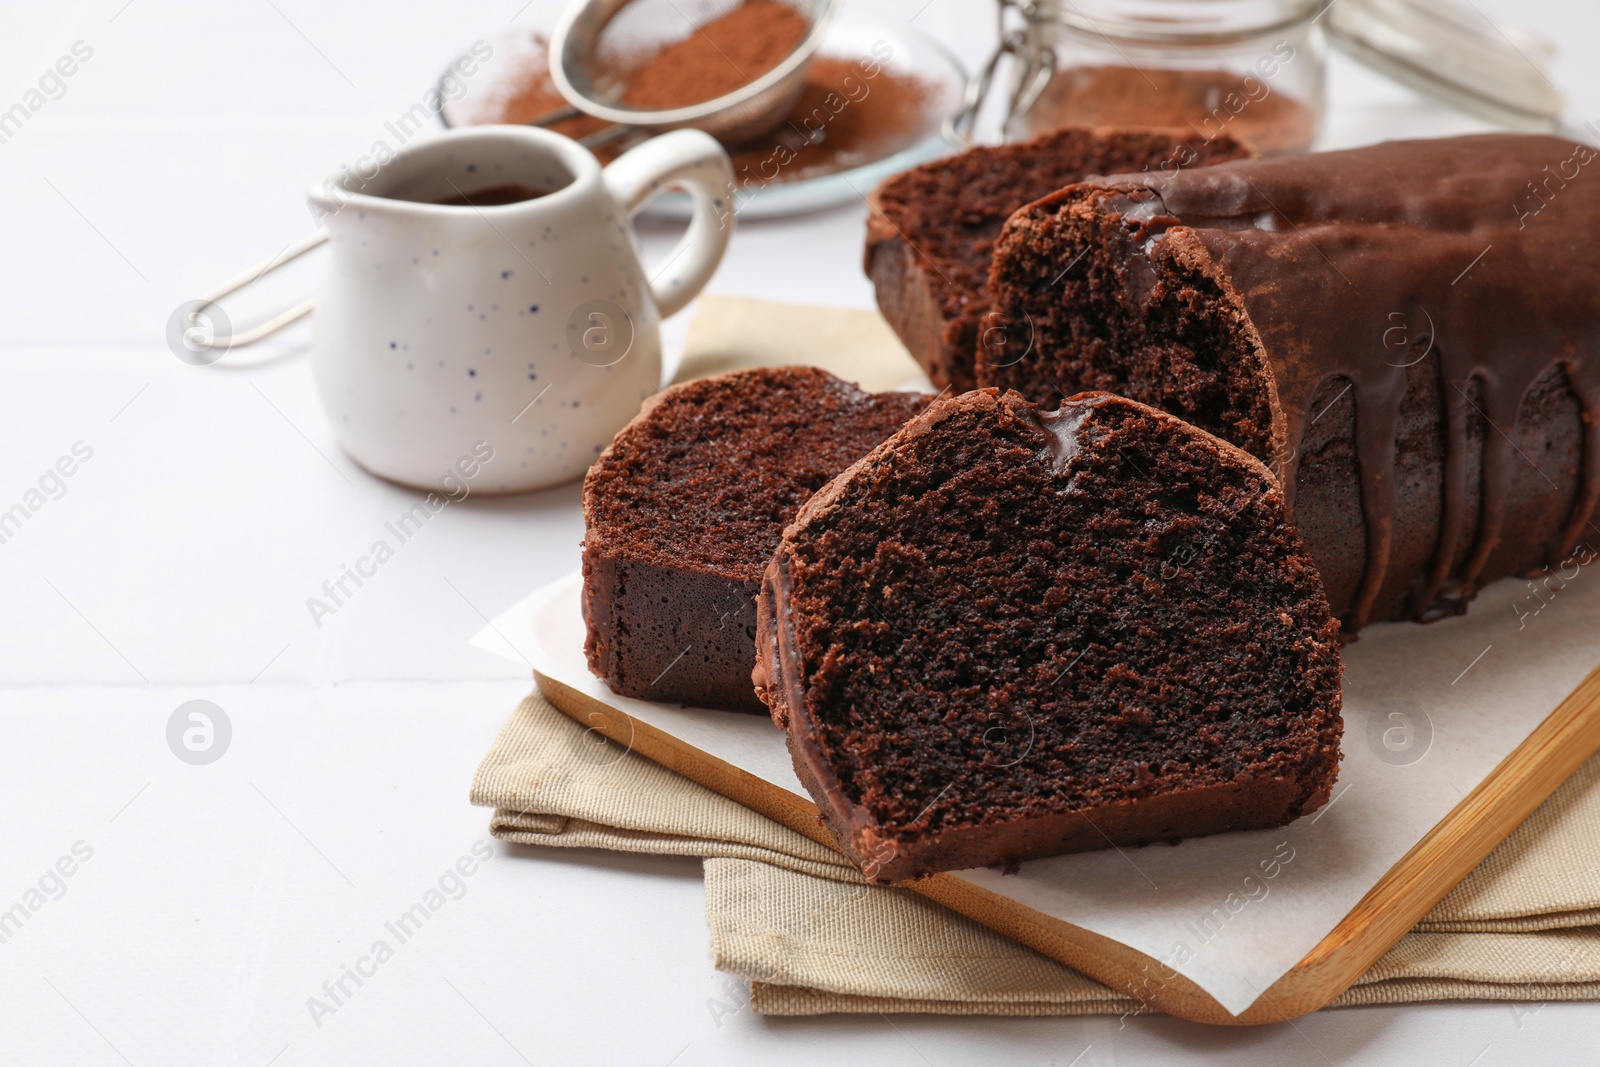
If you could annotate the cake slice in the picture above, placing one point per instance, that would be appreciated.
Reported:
(932, 228)
(682, 511)
(1009, 632)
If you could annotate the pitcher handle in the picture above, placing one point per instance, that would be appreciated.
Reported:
(186, 320)
(693, 161)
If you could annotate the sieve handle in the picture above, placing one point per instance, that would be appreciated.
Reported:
(693, 161)
(200, 327)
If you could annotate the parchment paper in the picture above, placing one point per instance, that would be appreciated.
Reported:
(1429, 711)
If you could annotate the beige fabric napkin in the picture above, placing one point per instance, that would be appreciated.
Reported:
(796, 920)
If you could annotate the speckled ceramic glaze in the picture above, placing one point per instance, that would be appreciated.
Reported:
(529, 328)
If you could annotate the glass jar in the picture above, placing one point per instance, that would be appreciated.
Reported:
(1253, 69)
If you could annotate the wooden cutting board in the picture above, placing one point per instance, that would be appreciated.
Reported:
(1406, 893)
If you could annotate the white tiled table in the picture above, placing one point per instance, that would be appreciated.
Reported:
(176, 561)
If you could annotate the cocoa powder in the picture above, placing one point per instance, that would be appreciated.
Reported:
(850, 113)
(720, 57)
(534, 95)
(1209, 102)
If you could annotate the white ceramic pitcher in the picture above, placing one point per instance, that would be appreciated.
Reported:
(528, 329)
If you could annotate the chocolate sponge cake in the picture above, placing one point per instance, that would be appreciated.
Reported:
(932, 228)
(1009, 632)
(683, 509)
(1409, 331)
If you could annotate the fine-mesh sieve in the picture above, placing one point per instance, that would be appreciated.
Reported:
(597, 39)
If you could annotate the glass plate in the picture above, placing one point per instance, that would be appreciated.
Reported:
(902, 49)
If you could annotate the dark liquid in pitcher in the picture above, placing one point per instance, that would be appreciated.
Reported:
(493, 196)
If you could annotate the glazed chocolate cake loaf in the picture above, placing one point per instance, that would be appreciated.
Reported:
(1009, 633)
(932, 228)
(1407, 332)
(682, 511)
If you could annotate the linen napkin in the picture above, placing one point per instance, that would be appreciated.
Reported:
(797, 921)
(735, 332)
